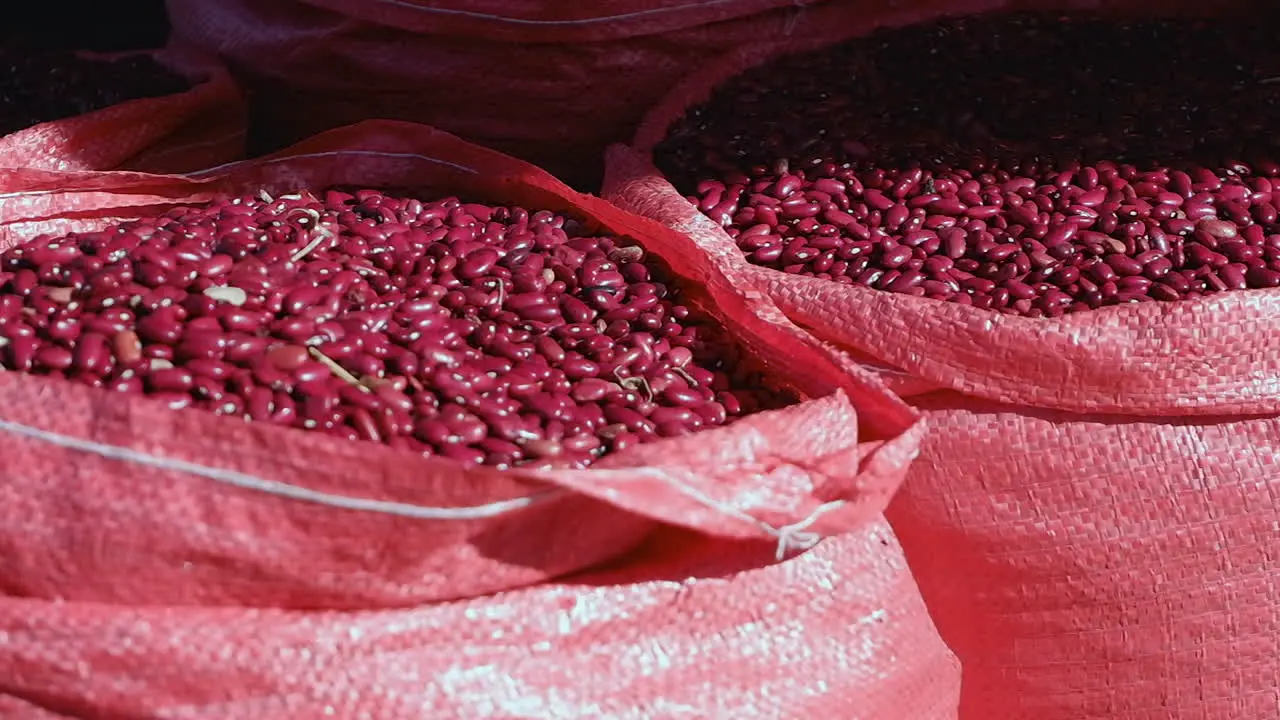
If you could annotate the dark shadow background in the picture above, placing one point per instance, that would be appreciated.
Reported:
(90, 24)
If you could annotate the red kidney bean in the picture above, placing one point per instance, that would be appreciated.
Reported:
(1157, 268)
(896, 257)
(1220, 229)
(906, 281)
(1261, 277)
(92, 354)
(1179, 281)
(1024, 199)
(445, 330)
(1233, 276)
(1124, 265)
(54, 357)
(1019, 290)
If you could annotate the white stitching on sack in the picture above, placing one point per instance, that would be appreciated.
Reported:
(794, 18)
(206, 142)
(331, 153)
(791, 538)
(291, 158)
(794, 539)
(273, 487)
(546, 23)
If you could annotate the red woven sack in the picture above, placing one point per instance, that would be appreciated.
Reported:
(551, 81)
(199, 128)
(196, 566)
(1092, 520)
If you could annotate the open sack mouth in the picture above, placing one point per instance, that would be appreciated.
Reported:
(486, 355)
(1035, 164)
(486, 334)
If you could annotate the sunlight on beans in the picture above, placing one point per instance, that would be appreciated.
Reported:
(489, 335)
(1026, 163)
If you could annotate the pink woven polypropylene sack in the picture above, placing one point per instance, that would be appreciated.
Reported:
(179, 564)
(1093, 517)
(679, 632)
(199, 128)
(551, 81)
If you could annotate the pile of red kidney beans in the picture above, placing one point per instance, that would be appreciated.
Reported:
(489, 335)
(1032, 164)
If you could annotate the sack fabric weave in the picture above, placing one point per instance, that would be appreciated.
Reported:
(199, 128)
(1093, 518)
(185, 565)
